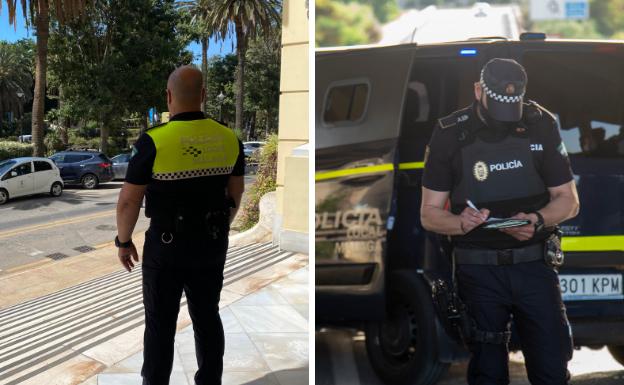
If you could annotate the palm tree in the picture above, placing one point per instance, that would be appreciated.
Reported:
(15, 79)
(37, 13)
(244, 19)
(200, 17)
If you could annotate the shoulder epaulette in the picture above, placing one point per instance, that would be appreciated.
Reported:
(156, 126)
(533, 113)
(453, 119)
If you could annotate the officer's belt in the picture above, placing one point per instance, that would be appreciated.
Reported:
(499, 257)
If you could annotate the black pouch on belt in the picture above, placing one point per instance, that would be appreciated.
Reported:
(553, 254)
(217, 223)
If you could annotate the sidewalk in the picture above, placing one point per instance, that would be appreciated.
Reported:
(63, 322)
(266, 335)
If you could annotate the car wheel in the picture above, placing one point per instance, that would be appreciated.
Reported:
(402, 347)
(4, 196)
(89, 181)
(618, 353)
(56, 190)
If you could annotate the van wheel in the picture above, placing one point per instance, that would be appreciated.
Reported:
(618, 353)
(89, 181)
(402, 348)
(4, 196)
(56, 190)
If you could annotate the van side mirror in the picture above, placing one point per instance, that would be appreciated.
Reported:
(13, 174)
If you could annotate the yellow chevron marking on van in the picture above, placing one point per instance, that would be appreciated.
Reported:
(323, 175)
(595, 243)
(411, 165)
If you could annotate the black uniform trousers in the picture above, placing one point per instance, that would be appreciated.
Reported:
(530, 293)
(193, 263)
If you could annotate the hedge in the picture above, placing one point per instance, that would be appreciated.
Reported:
(10, 150)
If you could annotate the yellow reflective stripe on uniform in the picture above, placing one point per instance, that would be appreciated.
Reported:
(593, 243)
(194, 148)
(323, 175)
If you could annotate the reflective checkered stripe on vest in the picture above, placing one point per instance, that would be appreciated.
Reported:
(191, 149)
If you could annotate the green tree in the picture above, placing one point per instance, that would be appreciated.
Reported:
(339, 24)
(199, 29)
(221, 78)
(16, 76)
(245, 20)
(38, 13)
(384, 10)
(116, 61)
(609, 15)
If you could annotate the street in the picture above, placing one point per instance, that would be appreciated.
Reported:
(40, 228)
(341, 360)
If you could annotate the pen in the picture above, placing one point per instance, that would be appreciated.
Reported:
(472, 206)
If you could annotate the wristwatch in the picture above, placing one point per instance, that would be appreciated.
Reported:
(539, 225)
(123, 245)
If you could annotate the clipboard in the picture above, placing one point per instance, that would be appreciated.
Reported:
(503, 223)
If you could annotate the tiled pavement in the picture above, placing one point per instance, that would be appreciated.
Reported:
(266, 341)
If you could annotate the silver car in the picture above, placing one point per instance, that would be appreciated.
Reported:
(120, 165)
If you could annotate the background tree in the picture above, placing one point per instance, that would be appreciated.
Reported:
(116, 61)
(339, 24)
(198, 28)
(244, 19)
(38, 13)
(16, 77)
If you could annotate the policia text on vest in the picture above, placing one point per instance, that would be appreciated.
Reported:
(506, 156)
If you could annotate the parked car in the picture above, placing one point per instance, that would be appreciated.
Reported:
(29, 176)
(87, 168)
(251, 147)
(120, 165)
(375, 111)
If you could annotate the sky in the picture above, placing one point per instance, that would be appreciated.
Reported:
(9, 33)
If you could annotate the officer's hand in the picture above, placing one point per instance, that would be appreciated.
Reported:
(126, 255)
(469, 218)
(522, 233)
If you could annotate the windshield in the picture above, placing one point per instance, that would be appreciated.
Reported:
(6, 165)
(389, 22)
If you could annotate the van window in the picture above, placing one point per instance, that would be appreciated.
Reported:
(345, 103)
(584, 91)
(41, 165)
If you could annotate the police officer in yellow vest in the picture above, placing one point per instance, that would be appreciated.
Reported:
(191, 173)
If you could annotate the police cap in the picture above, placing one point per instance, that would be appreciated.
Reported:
(504, 83)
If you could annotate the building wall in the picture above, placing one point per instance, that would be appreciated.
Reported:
(291, 227)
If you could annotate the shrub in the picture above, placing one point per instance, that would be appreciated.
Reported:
(265, 182)
(10, 150)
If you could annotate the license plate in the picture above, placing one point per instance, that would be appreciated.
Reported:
(591, 286)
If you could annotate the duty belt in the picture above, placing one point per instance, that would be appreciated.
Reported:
(499, 257)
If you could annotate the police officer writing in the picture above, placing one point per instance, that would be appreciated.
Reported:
(507, 158)
(191, 173)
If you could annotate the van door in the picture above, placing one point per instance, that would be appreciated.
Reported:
(359, 99)
(44, 176)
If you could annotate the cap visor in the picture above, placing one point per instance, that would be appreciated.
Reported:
(504, 112)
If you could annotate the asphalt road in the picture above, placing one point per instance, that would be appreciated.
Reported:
(37, 228)
(341, 360)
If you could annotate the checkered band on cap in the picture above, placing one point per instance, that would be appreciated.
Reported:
(192, 173)
(498, 97)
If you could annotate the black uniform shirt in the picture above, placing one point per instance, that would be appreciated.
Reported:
(443, 161)
(163, 196)
(443, 165)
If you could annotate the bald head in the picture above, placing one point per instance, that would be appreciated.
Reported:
(185, 91)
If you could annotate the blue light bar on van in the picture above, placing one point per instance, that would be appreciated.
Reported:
(468, 52)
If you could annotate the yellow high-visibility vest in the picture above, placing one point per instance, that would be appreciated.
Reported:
(193, 148)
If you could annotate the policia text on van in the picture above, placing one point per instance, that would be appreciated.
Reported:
(376, 110)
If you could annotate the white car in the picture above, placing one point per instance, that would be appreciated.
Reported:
(28, 176)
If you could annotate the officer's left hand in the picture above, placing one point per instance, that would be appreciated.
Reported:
(126, 255)
(522, 233)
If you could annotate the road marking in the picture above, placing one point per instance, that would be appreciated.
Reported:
(26, 229)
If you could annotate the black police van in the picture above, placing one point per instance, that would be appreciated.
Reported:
(375, 111)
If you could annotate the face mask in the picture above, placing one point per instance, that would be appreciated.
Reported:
(493, 123)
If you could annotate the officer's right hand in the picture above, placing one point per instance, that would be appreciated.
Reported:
(469, 218)
(126, 255)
